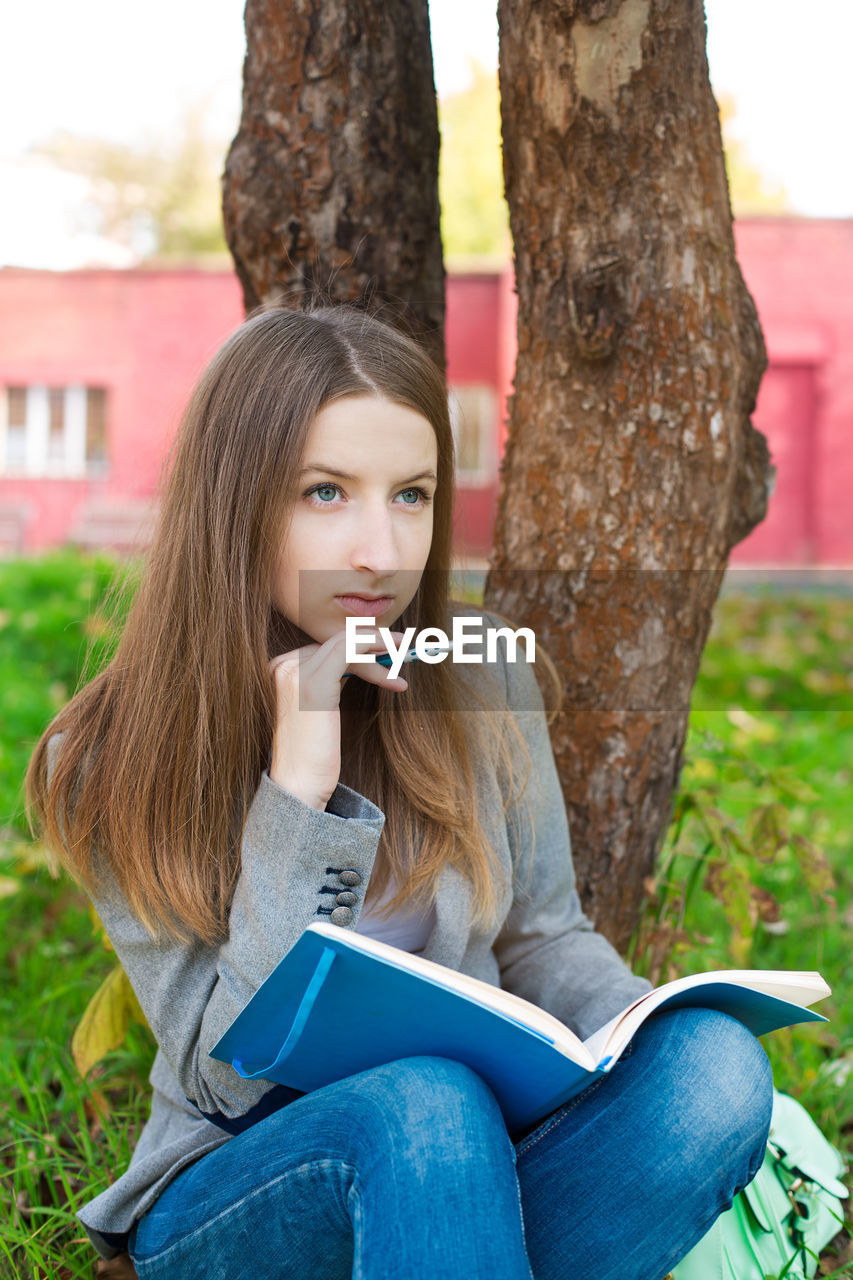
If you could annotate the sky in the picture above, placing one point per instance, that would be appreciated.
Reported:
(97, 67)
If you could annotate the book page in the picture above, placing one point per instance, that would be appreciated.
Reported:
(797, 987)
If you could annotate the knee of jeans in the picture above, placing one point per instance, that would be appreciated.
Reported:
(448, 1100)
(731, 1083)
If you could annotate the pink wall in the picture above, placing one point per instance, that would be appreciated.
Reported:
(800, 272)
(480, 319)
(146, 335)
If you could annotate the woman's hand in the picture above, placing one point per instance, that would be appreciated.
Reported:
(306, 756)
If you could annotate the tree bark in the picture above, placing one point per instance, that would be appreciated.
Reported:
(330, 189)
(631, 467)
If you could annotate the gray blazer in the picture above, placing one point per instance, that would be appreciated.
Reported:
(295, 860)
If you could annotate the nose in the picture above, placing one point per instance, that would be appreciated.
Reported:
(375, 547)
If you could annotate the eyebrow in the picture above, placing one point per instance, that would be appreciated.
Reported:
(346, 475)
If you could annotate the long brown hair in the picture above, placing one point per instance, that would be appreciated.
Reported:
(163, 751)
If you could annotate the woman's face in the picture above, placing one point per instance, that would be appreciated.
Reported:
(361, 526)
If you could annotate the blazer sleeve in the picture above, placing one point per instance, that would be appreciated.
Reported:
(548, 951)
(293, 857)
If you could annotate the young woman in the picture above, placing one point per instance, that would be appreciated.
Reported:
(228, 779)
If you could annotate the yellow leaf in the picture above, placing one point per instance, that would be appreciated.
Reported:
(32, 856)
(751, 727)
(8, 886)
(104, 1023)
(136, 1008)
(99, 928)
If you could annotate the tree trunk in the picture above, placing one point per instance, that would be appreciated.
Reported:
(331, 184)
(631, 467)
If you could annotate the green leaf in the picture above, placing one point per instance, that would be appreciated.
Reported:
(719, 829)
(814, 866)
(767, 830)
(731, 886)
(793, 786)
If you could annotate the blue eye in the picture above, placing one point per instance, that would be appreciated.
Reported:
(418, 496)
(324, 494)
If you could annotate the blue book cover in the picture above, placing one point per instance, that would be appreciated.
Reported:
(340, 1002)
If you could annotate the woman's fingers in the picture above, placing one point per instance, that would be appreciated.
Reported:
(316, 670)
(306, 751)
(376, 672)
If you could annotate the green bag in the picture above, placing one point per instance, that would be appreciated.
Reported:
(791, 1210)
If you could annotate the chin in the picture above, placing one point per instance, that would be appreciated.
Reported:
(319, 632)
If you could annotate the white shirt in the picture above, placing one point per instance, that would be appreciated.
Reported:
(409, 929)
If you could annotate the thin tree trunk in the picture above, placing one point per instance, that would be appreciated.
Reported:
(331, 184)
(631, 467)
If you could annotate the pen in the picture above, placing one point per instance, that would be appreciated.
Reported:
(385, 659)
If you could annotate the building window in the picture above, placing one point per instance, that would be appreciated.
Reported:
(96, 428)
(473, 416)
(16, 428)
(53, 431)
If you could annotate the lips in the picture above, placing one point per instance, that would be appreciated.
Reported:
(365, 606)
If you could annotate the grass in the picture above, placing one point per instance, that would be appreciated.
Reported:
(66, 1138)
(771, 733)
(63, 1138)
(756, 871)
(52, 614)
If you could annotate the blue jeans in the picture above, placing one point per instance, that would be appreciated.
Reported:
(407, 1172)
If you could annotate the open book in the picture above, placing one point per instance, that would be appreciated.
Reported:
(340, 1003)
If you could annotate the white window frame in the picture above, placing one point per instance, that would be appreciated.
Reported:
(37, 464)
(484, 475)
